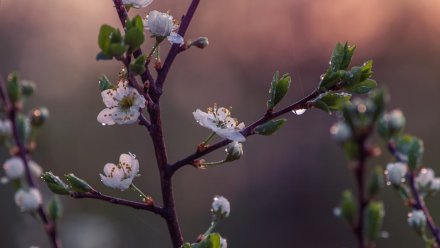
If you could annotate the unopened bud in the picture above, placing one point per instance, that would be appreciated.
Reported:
(39, 116)
(78, 184)
(396, 172)
(201, 42)
(417, 220)
(55, 184)
(341, 132)
(27, 87)
(221, 207)
(234, 151)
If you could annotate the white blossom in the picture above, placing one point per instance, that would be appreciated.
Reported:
(396, 172)
(121, 176)
(5, 127)
(219, 120)
(123, 105)
(223, 243)
(162, 25)
(14, 168)
(137, 3)
(435, 184)
(425, 178)
(340, 131)
(28, 200)
(417, 219)
(221, 206)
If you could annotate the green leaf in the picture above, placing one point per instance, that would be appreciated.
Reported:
(348, 207)
(116, 49)
(13, 87)
(137, 22)
(351, 149)
(361, 87)
(103, 56)
(270, 127)
(105, 84)
(78, 184)
(330, 101)
(55, 184)
(55, 208)
(331, 78)
(376, 181)
(366, 70)
(138, 66)
(134, 37)
(341, 56)
(212, 241)
(373, 220)
(409, 149)
(104, 37)
(24, 127)
(278, 89)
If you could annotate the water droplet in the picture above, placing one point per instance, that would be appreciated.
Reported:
(299, 111)
(388, 183)
(103, 124)
(321, 77)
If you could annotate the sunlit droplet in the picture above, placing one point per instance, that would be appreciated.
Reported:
(361, 108)
(299, 111)
(103, 124)
(337, 212)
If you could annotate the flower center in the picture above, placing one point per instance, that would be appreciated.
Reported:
(126, 102)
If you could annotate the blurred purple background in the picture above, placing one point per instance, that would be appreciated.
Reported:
(284, 189)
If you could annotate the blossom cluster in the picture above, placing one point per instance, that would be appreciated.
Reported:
(27, 198)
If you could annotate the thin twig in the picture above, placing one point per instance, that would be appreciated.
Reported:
(301, 104)
(49, 226)
(419, 203)
(118, 201)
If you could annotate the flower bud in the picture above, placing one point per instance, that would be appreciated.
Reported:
(341, 132)
(234, 151)
(373, 220)
(28, 200)
(417, 220)
(78, 184)
(14, 168)
(39, 116)
(27, 87)
(201, 42)
(396, 172)
(55, 184)
(396, 120)
(425, 178)
(221, 207)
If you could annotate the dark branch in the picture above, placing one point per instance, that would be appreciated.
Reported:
(118, 201)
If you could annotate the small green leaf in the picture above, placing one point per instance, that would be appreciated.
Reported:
(270, 127)
(361, 87)
(212, 241)
(104, 37)
(137, 22)
(348, 207)
(78, 184)
(366, 70)
(13, 87)
(330, 101)
(376, 181)
(373, 220)
(134, 37)
(351, 149)
(55, 208)
(103, 56)
(116, 49)
(138, 67)
(105, 84)
(341, 57)
(24, 127)
(55, 184)
(278, 89)
(330, 79)
(409, 149)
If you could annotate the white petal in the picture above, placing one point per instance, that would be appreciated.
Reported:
(230, 134)
(14, 168)
(125, 184)
(204, 119)
(128, 117)
(138, 3)
(175, 38)
(109, 168)
(108, 97)
(106, 116)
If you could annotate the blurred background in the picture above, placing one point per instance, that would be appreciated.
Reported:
(284, 189)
